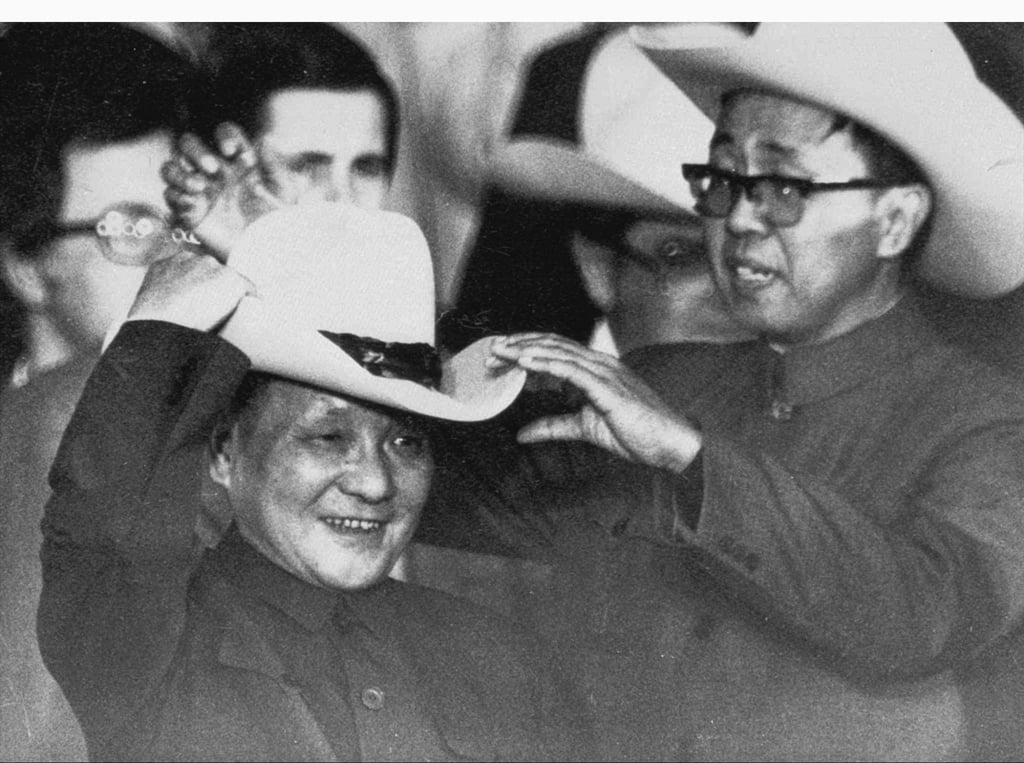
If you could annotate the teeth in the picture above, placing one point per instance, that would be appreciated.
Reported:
(366, 525)
(746, 273)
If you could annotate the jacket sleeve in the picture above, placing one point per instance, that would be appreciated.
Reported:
(908, 590)
(118, 532)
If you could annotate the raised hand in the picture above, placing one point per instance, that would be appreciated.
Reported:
(622, 414)
(190, 289)
(216, 195)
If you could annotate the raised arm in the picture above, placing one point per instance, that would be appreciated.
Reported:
(118, 531)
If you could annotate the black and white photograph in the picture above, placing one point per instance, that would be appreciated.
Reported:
(422, 388)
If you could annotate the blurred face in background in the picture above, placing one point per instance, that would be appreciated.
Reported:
(325, 145)
(83, 289)
(653, 284)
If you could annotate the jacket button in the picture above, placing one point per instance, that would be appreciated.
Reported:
(373, 698)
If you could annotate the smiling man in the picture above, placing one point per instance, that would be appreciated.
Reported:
(818, 534)
(288, 641)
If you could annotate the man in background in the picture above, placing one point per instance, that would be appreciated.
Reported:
(88, 112)
(301, 111)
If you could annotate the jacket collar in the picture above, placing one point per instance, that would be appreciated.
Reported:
(249, 571)
(807, 374)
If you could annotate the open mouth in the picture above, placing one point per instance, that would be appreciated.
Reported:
(351, 525)
(748, 275)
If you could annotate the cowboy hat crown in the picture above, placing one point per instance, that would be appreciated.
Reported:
(345, 302)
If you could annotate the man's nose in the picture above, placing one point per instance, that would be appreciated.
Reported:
(336, 185)
(368, 475)
(746, 216)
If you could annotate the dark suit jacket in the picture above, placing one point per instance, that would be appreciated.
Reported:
(164, 659)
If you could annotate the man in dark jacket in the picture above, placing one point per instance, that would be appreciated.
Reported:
(819, 532)
(287, 641)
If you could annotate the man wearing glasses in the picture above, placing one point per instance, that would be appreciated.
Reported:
(88, 113)
(818, 535)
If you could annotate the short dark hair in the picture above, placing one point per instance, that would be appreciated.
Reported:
(889, 163)
(250, 62)
(88, 83)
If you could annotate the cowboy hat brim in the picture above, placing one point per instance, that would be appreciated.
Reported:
(558, 171)
(275, 344)
(965, 139)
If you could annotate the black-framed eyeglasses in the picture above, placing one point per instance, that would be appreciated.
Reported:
(782, 198)
(128, 234)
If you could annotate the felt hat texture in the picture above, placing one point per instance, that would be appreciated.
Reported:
(337, 268)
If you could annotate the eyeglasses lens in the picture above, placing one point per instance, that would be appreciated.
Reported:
(131, 237)
(718, 192)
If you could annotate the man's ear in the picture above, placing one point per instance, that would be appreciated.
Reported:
(21, 275)
(901, 213)
(221, 449)
(596, 265)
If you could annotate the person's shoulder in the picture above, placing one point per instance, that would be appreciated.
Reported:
(963, 391)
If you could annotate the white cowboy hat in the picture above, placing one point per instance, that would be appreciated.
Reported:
(365, 278)
(636, 131)
(914, 84)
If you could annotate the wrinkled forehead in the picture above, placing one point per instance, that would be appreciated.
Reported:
(275, 403)
(778, 130)
(749, 110)
(777, 114)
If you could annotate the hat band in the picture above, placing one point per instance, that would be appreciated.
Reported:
(415, 362)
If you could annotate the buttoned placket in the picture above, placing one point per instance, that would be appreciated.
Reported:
(388, 714)
(780, 408)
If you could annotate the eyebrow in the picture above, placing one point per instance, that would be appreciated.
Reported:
(776, 150)
(320, 156)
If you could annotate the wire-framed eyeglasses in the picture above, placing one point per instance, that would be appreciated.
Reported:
(782, 198)
(128, 234)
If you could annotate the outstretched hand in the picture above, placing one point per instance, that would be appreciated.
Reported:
(622, 414)
(216, 195)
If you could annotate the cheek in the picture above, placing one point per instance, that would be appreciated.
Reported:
(841, 258)
(413, 488)
(92, 292)
(369, 193)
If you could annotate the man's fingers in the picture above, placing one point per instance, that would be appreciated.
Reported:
(197, 152)
(234, 145)
(553, 345)
(180, 202)
(175, 176)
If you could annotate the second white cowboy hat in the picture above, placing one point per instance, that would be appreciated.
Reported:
(636, 129)
(914, 84)
(346, 303)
